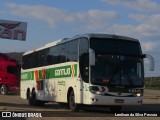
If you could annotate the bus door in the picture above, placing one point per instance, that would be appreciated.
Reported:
(84, 68)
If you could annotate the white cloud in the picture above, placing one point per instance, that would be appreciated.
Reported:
(55, 16)
(149, 46)
(49, 14)
(94, 20)
(148, 26)
(96, 15)
(128, 30)
(138, 17)
(140, 5)
(146, 32)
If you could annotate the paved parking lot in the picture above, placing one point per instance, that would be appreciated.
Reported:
(15, 103)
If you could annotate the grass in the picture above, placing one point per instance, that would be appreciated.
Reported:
(153, 88)
(152, 83)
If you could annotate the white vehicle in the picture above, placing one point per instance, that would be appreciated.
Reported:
(89, 69)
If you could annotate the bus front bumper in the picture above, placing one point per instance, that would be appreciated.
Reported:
(114, 100)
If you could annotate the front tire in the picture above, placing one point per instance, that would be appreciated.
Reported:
(72, 105)
(4, 90)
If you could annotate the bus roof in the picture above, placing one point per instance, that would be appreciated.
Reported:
(90, 35)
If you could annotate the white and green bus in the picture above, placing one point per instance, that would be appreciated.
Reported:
(89, 69)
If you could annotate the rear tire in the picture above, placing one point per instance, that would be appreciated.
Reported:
(4, 90)
(72, 105)
(32, 99)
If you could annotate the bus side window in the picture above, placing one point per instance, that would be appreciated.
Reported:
(62, 55)
(84, 59)
(72, 51)
(53, 55)
(42, 57)
(33, 60)
(26, 62)
(49, 59)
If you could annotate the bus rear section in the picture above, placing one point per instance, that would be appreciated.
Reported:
(9, 76)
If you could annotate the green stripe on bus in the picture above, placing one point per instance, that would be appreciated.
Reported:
(61, 72)
(57, 72)
(75, 70)
(27, 75)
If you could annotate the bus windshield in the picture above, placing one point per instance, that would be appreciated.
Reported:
(115, 64)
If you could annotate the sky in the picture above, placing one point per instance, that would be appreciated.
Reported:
(49, 20)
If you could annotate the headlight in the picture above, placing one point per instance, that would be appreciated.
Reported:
(96, 92)
(138, 94)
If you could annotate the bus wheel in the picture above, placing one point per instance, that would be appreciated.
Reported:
(32, 99)
(4, 90)
(73, 106)
(115, 108)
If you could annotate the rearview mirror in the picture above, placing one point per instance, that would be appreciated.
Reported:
(151, 61)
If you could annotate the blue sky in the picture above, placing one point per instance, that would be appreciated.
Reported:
(49, 20)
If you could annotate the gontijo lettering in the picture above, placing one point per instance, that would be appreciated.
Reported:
(63, 71)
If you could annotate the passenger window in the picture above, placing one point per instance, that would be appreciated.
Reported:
(72, 53)
(63, 53)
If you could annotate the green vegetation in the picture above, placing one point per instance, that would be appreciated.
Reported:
(153, 88)
(152, 83)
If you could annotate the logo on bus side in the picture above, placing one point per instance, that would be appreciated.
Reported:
(61, 72)
(66, 71)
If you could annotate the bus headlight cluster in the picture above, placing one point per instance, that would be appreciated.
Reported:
(138, 94)
(96, 92)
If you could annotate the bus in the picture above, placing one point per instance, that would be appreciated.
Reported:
(85, 70)
(9, 75)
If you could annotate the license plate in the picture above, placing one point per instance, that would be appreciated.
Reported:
(119, 101)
